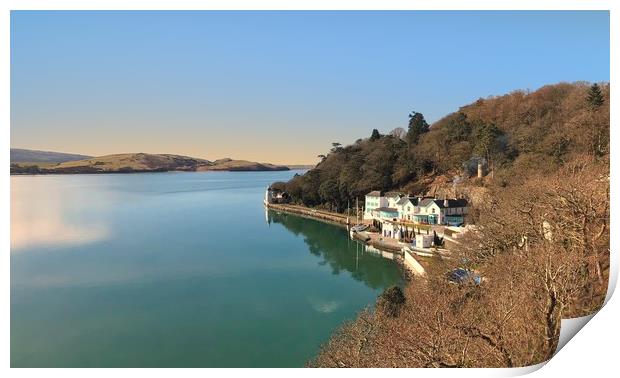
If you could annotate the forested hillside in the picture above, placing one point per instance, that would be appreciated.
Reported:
(514, 135)
(540, 241)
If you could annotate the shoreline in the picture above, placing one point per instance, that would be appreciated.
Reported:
(404, 259)
(322, 215)
(142, 172)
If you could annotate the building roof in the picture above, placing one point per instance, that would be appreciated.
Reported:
(426, 201)
(404, 200)
(374, 193)
(451, 203)
(386, 209)
(394, 194)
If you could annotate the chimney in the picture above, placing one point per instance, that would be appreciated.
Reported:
(446, 203)
(479, 169)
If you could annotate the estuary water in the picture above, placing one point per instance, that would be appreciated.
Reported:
(176, 270)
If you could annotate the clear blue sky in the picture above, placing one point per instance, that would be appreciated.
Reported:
(274, 86)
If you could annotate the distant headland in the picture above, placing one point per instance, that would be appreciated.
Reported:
(45, 162)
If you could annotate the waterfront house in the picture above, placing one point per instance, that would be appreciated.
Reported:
(395, 205)
(447, 211)
(374, 200)
(406, 208)
(392, 198)
(384, 213)
(453, 211)
(426, 211)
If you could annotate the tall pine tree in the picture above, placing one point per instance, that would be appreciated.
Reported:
(417, 127)
(375, 134)
(595, 96)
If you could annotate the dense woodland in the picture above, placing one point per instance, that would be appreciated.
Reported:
(541, 241)
(515, 135)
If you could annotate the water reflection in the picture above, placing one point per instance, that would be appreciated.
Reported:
(176, 270)
(335, 248)
(39, 218)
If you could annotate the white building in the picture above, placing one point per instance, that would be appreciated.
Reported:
(374, 200)
(392, 198)
(406, 208)
(423, 241)
(435, 211)
(394, 205)
(390, 230)
(275, 196)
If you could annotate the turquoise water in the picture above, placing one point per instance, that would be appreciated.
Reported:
(176, 270)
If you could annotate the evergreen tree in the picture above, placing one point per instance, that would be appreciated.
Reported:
(486, 136)
(417, 127)
(375, 134)
(459, 128)
(336, 147)
(595, 97)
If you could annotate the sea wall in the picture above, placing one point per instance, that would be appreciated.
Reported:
(414, 265)
(312, 213)
(342, 220)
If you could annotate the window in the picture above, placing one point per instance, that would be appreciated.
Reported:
(408, 208)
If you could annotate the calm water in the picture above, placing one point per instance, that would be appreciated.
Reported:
(176, 269)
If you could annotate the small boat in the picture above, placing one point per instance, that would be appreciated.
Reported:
(359, 227)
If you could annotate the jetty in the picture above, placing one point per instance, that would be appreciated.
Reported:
(311, 213)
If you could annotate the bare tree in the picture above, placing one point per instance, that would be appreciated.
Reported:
(543, 250)
(399, 133)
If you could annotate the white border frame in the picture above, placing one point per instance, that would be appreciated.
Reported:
(570, 361)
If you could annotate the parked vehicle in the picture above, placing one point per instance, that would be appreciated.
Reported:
(461, 276)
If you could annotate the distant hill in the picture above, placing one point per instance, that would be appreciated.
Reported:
(228, 164)
(141, 162)
(20, 155)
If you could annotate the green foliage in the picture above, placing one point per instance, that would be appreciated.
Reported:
(516, 134)
(486, 139)
(595, 96)
(336, 147)
(375, 135)
(278, 185)
(417, 127)
(459, 128)
(347, 174)
(437, 241)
